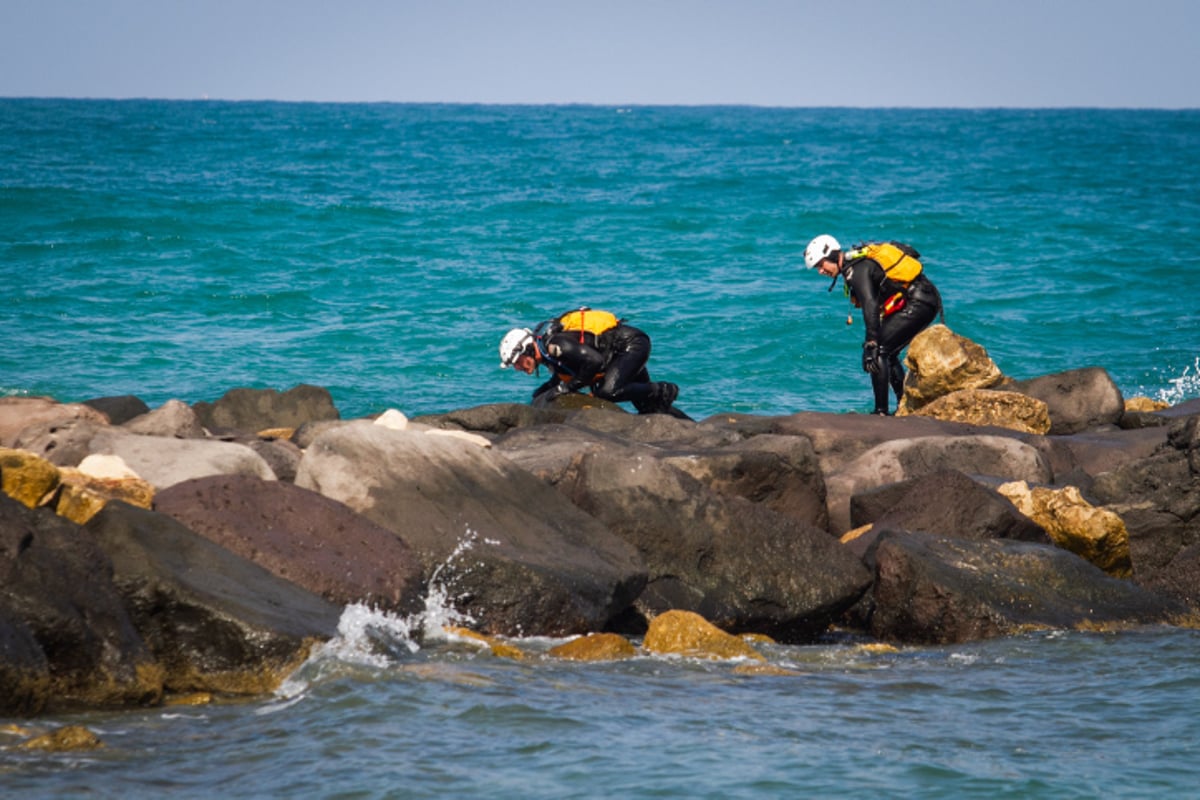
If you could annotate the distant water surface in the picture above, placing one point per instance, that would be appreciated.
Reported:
(180, 249)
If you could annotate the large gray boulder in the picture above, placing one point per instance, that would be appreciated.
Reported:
(1077, 400)
(214, 621)
(933, 589)
(739, 564)
(161, 460)
(511, 552)
(173, 418)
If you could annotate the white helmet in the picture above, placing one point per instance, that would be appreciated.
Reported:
(819, 249)
(513, 345)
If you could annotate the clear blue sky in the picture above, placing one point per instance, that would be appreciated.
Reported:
(973, 53)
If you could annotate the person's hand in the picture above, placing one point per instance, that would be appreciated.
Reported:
(871, 358)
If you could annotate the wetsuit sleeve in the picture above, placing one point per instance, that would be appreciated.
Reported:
(866, 289)
(582, 362)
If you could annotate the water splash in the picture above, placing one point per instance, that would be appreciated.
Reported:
(1187, 385)
(377, 639)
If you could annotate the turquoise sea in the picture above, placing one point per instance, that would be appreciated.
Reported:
(181, 249)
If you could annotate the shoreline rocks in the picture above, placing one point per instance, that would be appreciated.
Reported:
(569, 520)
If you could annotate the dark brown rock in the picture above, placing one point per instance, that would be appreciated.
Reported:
(56, 592)
(214, 621)
(119, 409)
(738, 564)
(940, 590)
(945, 502)
(253, 410)
(302, 537)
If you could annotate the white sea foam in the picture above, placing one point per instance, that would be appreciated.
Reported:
(1184, 387)
(375, 638)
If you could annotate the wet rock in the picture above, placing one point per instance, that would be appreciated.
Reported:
(69, 738)
(1078, 399)
(684, 633)
(58, 595)
(595, 647)
(253, 410)
(302, 537)
(990, 407)
(491, 643)
(940, 590)
(512, 552)
(214, 621)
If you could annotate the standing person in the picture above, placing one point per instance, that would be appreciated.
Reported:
(589, 349)
(898, 301)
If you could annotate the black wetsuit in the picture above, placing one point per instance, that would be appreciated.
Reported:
(869, 287)
(612, 365)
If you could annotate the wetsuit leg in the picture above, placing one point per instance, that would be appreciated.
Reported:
(894, 335)
(879, 386)
(896, 375)
(625, 375)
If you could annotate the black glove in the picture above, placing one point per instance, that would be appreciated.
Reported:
(871, 358)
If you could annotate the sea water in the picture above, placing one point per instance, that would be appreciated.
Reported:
(176, 250)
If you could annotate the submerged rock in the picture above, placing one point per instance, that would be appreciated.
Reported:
(684, 633)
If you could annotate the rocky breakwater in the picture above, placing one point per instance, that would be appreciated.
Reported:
(216, 544)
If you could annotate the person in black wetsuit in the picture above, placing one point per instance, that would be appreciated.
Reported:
(611, 363)
(898, 301)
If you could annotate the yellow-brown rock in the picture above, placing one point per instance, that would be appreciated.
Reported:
(688, 634)
(854, 533)
(1145, 404)
(82, 495)
(1074, 524)
(939, 362)
(498, 648)
(190, 699)
(765, 669)
(595, 647)
(27, 477)
(276, 433)
(1018, 412)
(72, 737)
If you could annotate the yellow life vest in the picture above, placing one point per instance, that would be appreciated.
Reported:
(900, 262)
(587, 320)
